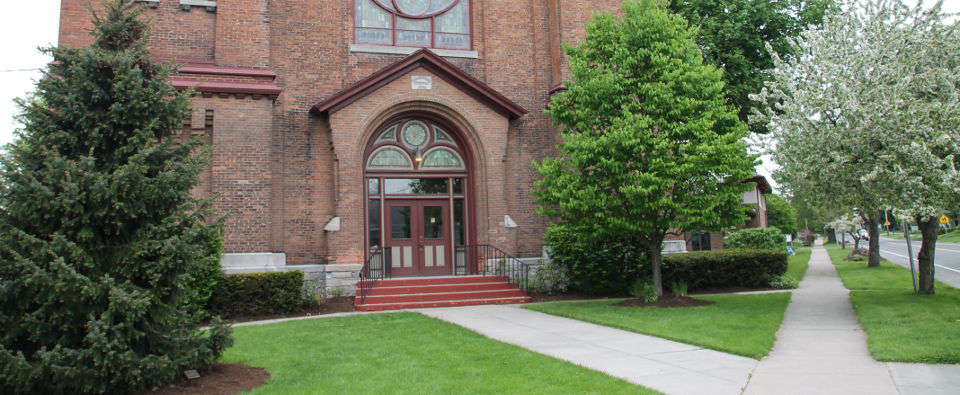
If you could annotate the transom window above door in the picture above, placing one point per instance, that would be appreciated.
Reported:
(413, 23)
(415, 145)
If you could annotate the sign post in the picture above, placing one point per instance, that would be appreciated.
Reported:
(906, 236)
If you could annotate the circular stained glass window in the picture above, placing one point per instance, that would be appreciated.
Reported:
(415, 134)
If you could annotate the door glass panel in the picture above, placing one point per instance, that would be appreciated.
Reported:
(400, 222)
(374, 222)
(415, 186)
(458, 222)
(433, 222)
(373, 186)
(457, 185)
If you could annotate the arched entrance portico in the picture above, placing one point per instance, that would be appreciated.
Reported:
(418, 177)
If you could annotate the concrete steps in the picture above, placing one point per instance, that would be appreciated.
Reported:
(411, 293)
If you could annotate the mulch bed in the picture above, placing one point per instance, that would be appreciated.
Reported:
(221, 379)
(667, 301)
(341, 304)
(537, 298)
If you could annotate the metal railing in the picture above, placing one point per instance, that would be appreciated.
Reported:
(487, 260)
(373, 270)
(468, 260)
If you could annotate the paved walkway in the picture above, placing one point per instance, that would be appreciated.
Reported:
(667, 366)
(820, 347)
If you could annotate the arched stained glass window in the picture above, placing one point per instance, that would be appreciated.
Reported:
(414, 23)
(442, 137)
(389, 157)
(390, 136)
(442, 158)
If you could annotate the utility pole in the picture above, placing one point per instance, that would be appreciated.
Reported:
(906, 235)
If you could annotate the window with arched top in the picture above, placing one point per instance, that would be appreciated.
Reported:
(413, 23)
(414, 145)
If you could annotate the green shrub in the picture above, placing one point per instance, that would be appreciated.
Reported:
(756, 238)
(725, 268)
(643, 289)
(680, 288)
(595, 267)
(550, 278)
(203, 280)
(784, 282)
(258, 294)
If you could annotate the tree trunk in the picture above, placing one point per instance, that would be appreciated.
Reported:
(843, 240)
(926, 257)
(873, 221)
(655, 249)
(831, 236)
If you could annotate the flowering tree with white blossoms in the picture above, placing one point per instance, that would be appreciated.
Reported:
(851, 225)
(868, 115)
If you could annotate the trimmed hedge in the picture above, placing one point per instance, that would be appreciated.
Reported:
(725, 268)
(769, 238)
(595, 267)
(248, 294)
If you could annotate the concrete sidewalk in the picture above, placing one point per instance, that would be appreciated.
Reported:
(820, 347)
(663, 365)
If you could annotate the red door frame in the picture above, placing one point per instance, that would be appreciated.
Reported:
(469, 196)
(416, 255)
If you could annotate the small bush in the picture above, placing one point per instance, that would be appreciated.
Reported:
(258, 293)
(595, 267)
(784, 282)
(679, 288)
(642, 289)
(756, 238)
(550, 279)
(725, 268)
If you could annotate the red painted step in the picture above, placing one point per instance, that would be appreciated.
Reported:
(412, 293)
(432, 297)
(415, 281)
(447, 303)
(405, 290)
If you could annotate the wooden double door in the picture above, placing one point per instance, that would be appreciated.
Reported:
(417, 238)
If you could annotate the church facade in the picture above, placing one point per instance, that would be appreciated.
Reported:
(341, 125)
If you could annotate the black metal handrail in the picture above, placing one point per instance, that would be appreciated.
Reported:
(372, 271)
(488, 260)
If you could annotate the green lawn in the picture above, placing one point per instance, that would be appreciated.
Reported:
(798, 263)
(738, 324)
(404, 353)
(900, 325)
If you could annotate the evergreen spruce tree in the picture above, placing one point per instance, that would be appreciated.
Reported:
(651, 146)
(98, 230)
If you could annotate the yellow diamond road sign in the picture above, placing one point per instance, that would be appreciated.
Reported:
(944, 219)
(887, 223)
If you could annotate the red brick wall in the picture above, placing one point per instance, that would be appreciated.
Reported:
(276, 167)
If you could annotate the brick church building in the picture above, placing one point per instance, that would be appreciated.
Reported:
(342, 126)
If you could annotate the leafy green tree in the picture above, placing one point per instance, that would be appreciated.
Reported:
(650, 144)
(781, 214)
(734, 35)
(98, 231)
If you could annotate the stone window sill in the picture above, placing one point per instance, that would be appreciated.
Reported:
(386, 49)
(211, 5)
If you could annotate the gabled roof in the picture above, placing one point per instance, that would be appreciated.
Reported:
(432, 62)
(762, 184)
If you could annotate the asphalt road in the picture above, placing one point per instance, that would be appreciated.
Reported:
(946, 259)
